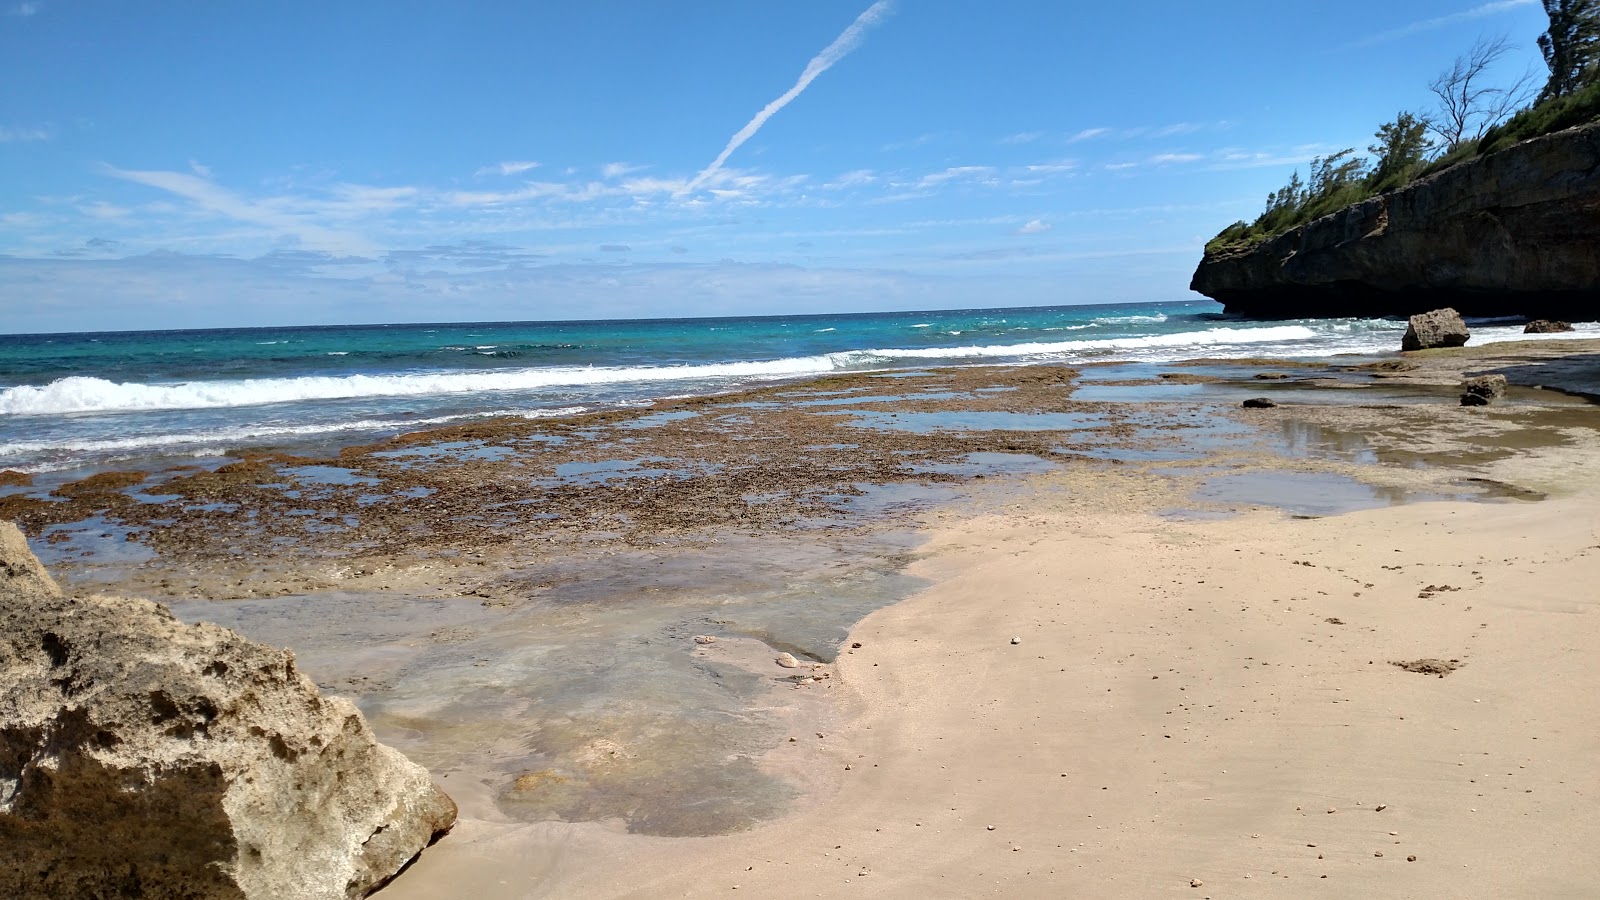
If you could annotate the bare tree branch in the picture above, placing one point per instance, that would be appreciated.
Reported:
(1468, 107)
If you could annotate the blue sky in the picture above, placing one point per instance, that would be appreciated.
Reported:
(169, 165)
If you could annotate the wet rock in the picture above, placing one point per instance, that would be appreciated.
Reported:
(140, 756)
(13, 478)
(1439, 328)
(1482, 390)
(1537, 326)
(787, 660)
(1259, 403)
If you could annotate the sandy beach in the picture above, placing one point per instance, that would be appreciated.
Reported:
(1056, 632)
(1101, 704)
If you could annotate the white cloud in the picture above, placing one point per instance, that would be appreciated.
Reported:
(1034, 226)
(853, 178)
(619, 169)
(1089, 134)
(847, 41)
(1055, 168)
(1418, 27)
(1165, 159)
(210, 197)
(23, 135)
(510, 167)
(954, 173)
(1024, 137)
(23, 10)
(201, 170)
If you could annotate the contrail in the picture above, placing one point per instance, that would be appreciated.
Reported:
(847, 41)
(1477, 12)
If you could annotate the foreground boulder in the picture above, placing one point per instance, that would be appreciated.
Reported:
(142, 757)
(1440, 328)
(1546, 326)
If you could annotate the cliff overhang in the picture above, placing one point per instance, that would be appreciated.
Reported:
(1513, 233)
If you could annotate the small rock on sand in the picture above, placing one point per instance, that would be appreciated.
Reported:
(1016, 640)
(704, 639)
(787, 660)
(1259, 403)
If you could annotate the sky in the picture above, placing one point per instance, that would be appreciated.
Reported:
(196, 165)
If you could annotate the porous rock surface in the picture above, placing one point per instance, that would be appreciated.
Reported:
(1439, 328)
(1510, 233)
(1546, 326)
(142, 757)
(1483, 390)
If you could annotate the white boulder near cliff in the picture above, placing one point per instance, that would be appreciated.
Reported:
(142, 757)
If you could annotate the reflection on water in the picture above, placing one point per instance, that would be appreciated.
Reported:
(578, 693)
(1307, 440)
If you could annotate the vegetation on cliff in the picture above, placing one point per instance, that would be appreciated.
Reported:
(1472, 119)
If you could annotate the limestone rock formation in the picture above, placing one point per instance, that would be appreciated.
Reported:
(144, 758)
(1439, 328)
(1546, 326)
(1483, 390)
(1510, 233)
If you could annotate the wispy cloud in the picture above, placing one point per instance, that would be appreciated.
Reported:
(212, 198)
(619, 169)
(1034, 226)
(847, 41)
(509, 167)
(23, 135)
(954, 173)
(1023, 137)
(23, 10)
(1089, 134)
(1418, 27)
(854, 178)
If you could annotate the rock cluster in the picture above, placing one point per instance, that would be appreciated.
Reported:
(1510, 233)
(142, 757)
(1439, 328)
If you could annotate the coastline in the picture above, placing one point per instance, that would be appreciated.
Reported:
(552, 682)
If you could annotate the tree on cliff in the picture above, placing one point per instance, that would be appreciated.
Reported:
(1467, 106)
(1402, 147)
(1571, 47)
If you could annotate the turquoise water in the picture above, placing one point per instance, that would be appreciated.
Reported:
(71, 401)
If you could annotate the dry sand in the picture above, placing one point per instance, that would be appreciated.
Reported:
(1195, 708)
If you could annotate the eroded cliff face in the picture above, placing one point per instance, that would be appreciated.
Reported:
(1513, 233)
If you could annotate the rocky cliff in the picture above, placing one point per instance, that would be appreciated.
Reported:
(1513, 233)
(144, 758)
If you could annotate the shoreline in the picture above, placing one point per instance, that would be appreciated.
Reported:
(931, 540)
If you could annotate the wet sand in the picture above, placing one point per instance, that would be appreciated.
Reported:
(574, 625)
(1193, 706)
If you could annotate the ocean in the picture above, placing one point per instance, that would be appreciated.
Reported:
(77, 402)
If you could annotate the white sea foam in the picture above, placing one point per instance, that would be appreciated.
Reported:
(184, 442)
(1156, 319)
(78, 394)
(1059, 349)
(81, 394)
